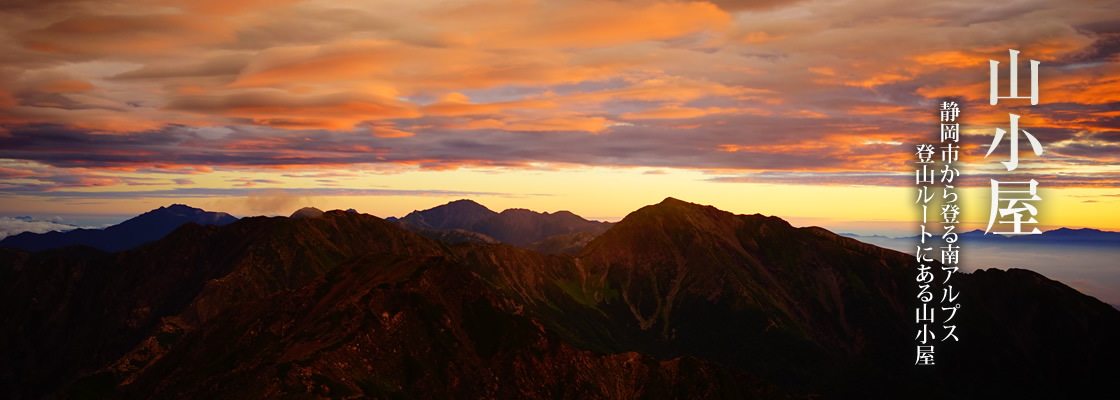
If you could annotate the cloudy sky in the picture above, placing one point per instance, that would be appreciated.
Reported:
(808, 110)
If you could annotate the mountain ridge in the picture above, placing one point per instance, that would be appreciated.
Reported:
(1059, 235)
(516, 226)
(143, 228)
(676, 300)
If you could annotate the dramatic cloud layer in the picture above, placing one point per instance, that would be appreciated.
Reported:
(108, 94)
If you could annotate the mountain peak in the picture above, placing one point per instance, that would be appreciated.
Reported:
(675, 203)
(673, 200)
(465, 202)
(181, 210)
(675, 223)
(452, 215)
(307, 212)
(137, 230)
(520, 211)
(517, 226)
(675, 206)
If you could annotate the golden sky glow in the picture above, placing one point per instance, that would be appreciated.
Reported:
(808, 110)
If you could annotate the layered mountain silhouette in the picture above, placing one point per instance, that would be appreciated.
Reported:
(1085, 236)
(677, 300)
(1060, 236)
(467, 221)
(141, 229)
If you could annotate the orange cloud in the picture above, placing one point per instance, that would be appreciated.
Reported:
(591, 124)
(66, 86)
(460, 108)
(388, 131)
(285, 110)
(128, 34)
(228, 7)
(584, 24)
(759, 37)
(675, 112)
(951, 59)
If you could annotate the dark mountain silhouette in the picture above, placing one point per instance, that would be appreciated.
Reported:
(141, 229)
(515, 226)
(675, 301)
(459, 214)
(116, 313)
(1058, 236)
(307, 212)
(1083, 235)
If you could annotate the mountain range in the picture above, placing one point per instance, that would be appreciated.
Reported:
(141, 229)
(1083, 236)
(461, 221)
(677, 300)
(561, 232)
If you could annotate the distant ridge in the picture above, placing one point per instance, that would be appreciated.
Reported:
(1056, 236)
(458, 214)
(138, 230)
(514, 226)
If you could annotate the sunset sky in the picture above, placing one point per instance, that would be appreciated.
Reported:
(807, 110)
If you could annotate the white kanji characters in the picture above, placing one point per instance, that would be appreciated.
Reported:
(926, 175)
(1014, 163)
(1013, 80)
(1017, 204)
(950, 132)
(949, 111)
(1017, 201)
(925, 154)
(949, 213)
(949, 255)
(925, 334)
(950, 153)
(925, 313)
(925, 356)
(925, 316)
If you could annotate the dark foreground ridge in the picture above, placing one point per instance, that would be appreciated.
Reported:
(677, 300)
